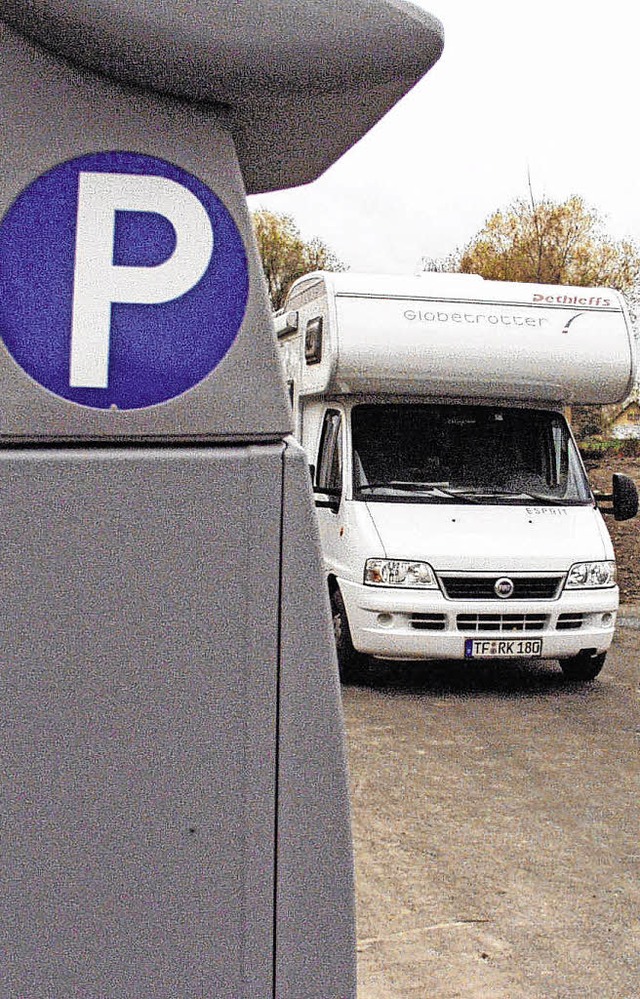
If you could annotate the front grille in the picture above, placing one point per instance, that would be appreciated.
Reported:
(428, 622)
(482, 587)
(501, 622)
(570, 622)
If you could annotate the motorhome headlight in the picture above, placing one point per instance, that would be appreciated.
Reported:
(591, 575)
(396, 572)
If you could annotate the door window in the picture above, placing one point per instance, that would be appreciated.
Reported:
(329, 474)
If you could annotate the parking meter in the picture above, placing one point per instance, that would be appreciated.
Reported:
(173, 792)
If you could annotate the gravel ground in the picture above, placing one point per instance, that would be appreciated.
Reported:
(496, 815)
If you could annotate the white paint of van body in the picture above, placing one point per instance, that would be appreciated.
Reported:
(457, 340)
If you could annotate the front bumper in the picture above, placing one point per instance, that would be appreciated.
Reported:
(392, 623)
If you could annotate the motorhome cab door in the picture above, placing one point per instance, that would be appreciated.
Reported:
(329, 484)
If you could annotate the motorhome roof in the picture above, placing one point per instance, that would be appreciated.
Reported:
(457, 336)
(433, 286)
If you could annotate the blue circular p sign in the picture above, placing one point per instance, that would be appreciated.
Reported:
(123, 280)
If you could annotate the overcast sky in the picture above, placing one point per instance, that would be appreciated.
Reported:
(550, 87)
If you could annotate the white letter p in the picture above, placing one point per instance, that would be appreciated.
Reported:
(98, 282)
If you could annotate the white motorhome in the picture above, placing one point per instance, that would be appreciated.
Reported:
(456, 518)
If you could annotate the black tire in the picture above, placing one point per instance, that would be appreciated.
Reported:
(583, 667)
(350, 661)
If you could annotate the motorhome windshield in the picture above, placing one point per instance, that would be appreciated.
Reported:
(465, 454)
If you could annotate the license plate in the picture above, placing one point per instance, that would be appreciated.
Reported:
(501, 648)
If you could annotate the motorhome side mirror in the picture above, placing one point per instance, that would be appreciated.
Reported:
(327, 498)
(625, 497)
(312, 473)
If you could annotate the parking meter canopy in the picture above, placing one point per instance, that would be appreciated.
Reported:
(300, 82)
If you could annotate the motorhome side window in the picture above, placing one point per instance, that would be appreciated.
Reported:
(329, 474)
(458, 453)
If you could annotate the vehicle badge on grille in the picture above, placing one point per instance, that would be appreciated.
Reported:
(503, 587)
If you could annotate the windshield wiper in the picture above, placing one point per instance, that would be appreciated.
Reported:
(474, 494)
(542, 498)
(437, 488)
(553, 500)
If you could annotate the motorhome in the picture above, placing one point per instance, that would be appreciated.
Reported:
(456, 517)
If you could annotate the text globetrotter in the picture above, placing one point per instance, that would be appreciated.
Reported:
(123, 280)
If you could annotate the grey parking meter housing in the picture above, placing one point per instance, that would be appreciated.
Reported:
(296, 82)
(174, 781)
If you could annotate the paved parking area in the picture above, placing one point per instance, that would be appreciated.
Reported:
(496, 822)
